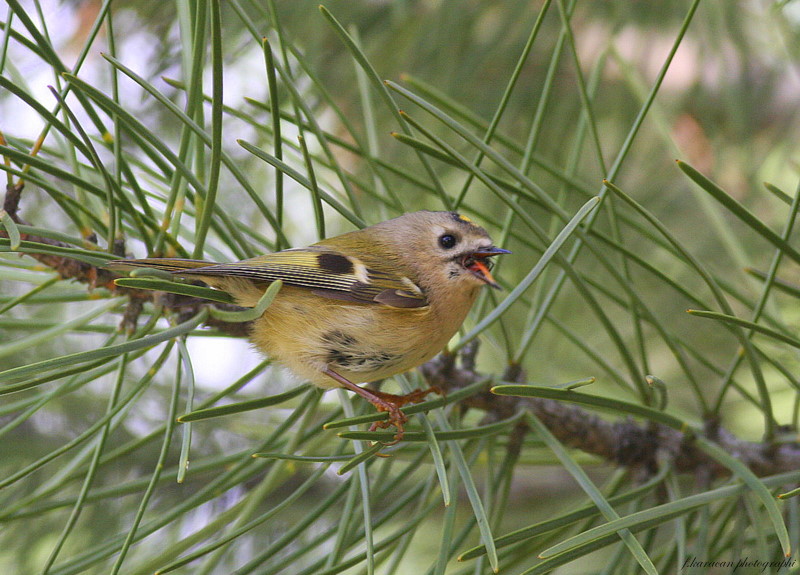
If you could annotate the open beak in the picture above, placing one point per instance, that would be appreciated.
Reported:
(479, 266)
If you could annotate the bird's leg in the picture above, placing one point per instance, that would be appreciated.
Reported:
(387, 402)
(416, 396)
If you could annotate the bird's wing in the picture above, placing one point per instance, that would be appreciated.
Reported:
(327, 272)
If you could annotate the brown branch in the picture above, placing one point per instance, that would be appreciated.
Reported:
(625, 443)
(65, 267)
(93, 276)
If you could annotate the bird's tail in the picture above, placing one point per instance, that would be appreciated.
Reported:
(174, 265)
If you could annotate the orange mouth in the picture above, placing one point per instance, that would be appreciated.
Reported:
(480, 270)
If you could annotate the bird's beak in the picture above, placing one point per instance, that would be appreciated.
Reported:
(479, 266)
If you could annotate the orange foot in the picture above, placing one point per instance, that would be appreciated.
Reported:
(391, 404)
(385, 402)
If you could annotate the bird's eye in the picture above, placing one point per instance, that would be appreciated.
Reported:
(447, 241)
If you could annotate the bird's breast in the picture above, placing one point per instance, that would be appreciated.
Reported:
(361, 342)
(359, 351)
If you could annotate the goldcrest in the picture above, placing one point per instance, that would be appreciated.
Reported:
(361, 306)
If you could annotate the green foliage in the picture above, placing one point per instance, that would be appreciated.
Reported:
(261, 125)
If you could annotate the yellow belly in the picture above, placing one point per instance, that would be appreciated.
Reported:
(361, 342)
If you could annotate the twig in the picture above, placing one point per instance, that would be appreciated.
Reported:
(626, 443)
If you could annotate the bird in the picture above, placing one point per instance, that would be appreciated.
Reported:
(358, 307)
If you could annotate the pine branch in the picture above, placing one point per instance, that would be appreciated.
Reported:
(67, 268)
(94, 276)
(639, 447)
(625, 443)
